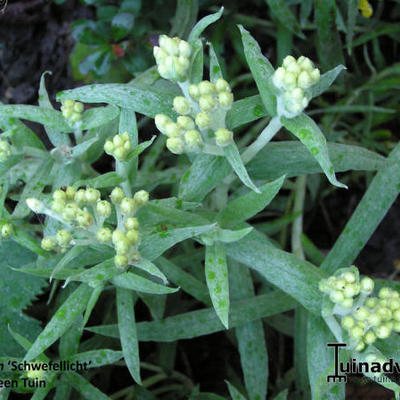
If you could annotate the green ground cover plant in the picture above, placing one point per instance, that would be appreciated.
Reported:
(176, 224)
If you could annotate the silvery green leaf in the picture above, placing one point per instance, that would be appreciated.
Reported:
(203, 24)
(232, 154)
(82, 147)
(326, 80)
(215, 67)
(235, 394)
(311, 136)
(97, 116)
(216, 271)
(151, 268)
(229, 236)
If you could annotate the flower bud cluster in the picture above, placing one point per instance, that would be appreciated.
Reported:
(364, 317)
(5, 150)
(207, 103)
(84, 213)
(365, 7)
(173, 58)
(294, 78)
(6, 230)
(72, 110)
(119, 147)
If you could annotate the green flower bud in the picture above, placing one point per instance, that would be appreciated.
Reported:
(360, 346)
(128, 206)
(382, 332)
(120, 261)
(374, 319)
(367, 285)
(173, 130)
(67, 113)
(68, 103)
(203, 120)
(384, 313)
(288, 60)
(7, 230)
(384, 293)
(70, 193)
(349, 277)
(184, 49)
(336, 296)
(141, 198)
(278, 76)
(117, 195)
(80, 196)
(371, 302)
(304, 80)
(194, 91)
(305, 63)
(118, 236)
(63, 237)
(104, 235)
(133, 236)
(84, 219)
(396, 326)
(75, 117)
(35, 205)
(58, 206)
(322, 285)
(70, 211)
(185, 123)
(120, 153)
(348, 322)
(223, 137)
(222, 85)
(48, 243)
(103, 208)
(109, 147)
(206, 87)
(357, 332)
(175, 145)
(347, 303)
(394, 304)
(181, 105)
(293, 68)
(225, 99)
(289, 81)
(59, 195)
(361, 313)
(92, 195)
(131, 224)
(340, 284)
(206, 102)
(349, 290)
(161, 121)
(78, 107)
(396, 315)
(315, 75)
(122, 247)
(193, 140)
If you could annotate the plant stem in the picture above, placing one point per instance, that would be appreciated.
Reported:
(265, 136)
(297, 227)
(121, 170)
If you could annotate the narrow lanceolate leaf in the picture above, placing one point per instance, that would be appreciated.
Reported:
(293, 159)
(232, 154)
(216, 271)
(152, 269)
(285, 16)
(294, 276)
(71, 309)
(145, 101)
(128, 123)
(84, 387)
(97, 116)
(204, 322)
(229, 236)
(152, 246)
(55, 137)
(261, 70)
(97, 358)
(367, 216)
(282, 395)
(45, 116)
(205, 173)
(250, 336)
(311, 136)
(202, 25)
(71, 254)
(250, 204)
(215, 67)
(244, 111)
(235, 394)
(326, 80)
(131, 281)
(127, 330)
(352, 12)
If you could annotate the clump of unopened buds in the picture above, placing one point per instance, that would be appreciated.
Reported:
(5, 150)
(362, 316)
(293, 79)
(84, 215)
(204, 109)
(72, 110)
(119, 147)
(6, 230)
(173, 58)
